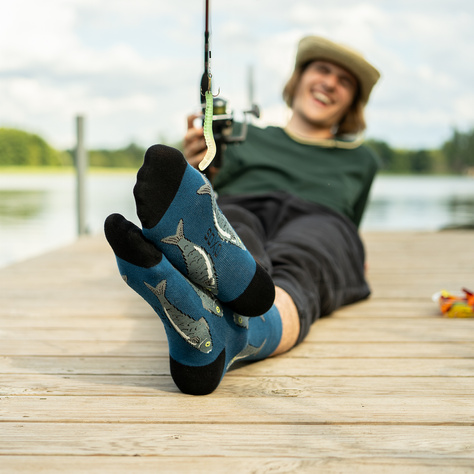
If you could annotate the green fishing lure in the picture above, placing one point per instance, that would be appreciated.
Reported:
(208, 134)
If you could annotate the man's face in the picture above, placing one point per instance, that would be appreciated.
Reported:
(324, 94)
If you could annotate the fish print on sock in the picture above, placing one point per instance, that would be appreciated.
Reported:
(224, 229)
(246, 352)
(209, 302)
(199, 264)
(193, 332)
(241, 321)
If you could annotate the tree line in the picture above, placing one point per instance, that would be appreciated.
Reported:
(18, 148)
(456, 155)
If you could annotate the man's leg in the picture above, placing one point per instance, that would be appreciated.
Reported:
(318, 259)
(289, 319)
(314, 255)
(253, 234)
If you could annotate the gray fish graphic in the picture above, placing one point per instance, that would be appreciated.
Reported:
(224, 229)
(199, 264)
(209, 302)
(241, 321)
(193, 332)
(246, 352)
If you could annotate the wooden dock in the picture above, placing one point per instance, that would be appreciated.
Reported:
(386, 385)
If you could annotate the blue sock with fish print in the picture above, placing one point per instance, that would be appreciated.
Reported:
(204, 336)
(178, 211)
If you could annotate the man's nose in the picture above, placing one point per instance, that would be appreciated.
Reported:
(330, 81)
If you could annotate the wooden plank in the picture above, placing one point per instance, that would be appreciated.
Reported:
(326, 329)
(378, 307)
(239, 386)
(374, 350)
(276, 366)
(257, 441)
(310, 349)
(127, 305)
(64, 304)
(392, 330)
(385, 385)
(360, 367)
(231, 464)
(176, 409)
(64, 347)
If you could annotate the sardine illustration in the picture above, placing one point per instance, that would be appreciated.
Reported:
(246, 352)
(241, 321)
(199, 264)
(193, 332)
(209, 302)
(224, 229)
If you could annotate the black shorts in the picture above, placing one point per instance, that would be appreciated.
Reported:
(312, 252)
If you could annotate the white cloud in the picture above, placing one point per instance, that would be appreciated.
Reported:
(35, 30)
(133, 68)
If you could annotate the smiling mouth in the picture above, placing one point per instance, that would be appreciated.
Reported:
(322, 98)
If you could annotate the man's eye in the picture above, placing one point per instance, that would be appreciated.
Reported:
(321, 68)
(347, 83)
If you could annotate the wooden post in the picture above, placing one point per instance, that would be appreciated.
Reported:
(81, 170)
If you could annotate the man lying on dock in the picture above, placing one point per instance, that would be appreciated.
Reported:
(244, 276)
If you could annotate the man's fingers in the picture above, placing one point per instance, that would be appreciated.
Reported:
(191, 118)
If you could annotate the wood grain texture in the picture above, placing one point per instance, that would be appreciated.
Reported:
(384, 385)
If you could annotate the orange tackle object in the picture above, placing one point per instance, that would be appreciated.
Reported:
(456, 304)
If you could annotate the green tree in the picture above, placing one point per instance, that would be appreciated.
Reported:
(420, 161)
(129, 157)
(401, 162)
(407, 161)
(459, 151)
(383, 151)
(27, 149)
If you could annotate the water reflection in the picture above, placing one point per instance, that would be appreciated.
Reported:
(17, 204)
(37, 212)
(461, 211)
(420, 203)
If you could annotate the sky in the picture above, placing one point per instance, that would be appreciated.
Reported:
(133, 68)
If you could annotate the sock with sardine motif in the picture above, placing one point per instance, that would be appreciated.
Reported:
(204, 336)
(179, 214)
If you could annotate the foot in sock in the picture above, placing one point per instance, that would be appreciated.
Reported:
(179, 214)
(204, 336)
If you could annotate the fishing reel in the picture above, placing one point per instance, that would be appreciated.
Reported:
(222, 119)
(223, 127)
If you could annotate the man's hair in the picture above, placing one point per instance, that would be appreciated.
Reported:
(353, 121)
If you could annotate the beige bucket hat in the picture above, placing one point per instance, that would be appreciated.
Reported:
(312, 48)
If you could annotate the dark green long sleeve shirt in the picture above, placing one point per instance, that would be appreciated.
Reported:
(269, 160)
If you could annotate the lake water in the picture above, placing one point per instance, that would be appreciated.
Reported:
(38, 211)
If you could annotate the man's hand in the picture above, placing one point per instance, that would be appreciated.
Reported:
(194, 145)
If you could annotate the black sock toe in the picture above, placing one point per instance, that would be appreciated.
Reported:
(158, 181)
(129, 244)
(198, 380)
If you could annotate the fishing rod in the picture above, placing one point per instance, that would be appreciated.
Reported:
(222, 120)
(207, 56)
